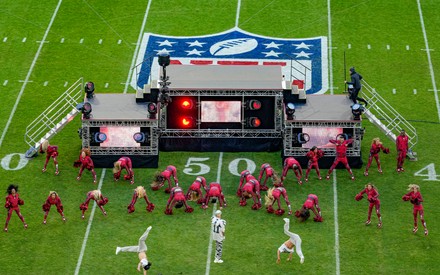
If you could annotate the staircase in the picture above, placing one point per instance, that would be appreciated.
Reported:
(387, 119)
(54, 118)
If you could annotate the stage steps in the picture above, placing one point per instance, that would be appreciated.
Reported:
(55, 117)
(387, 119)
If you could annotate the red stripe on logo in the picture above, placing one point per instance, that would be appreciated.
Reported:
(274, 63)
(201, 62)
(237, 62)
(175, 62)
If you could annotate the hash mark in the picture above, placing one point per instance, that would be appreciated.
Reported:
(5, 83)
(81, 40)
(5, 39)
(24, 39)
(100, 41)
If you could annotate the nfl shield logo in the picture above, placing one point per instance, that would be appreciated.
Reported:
(302, 60)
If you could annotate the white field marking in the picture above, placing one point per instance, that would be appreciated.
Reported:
(349, 46)
(428, 50)
(89, 225)
(237, 13)
(330, 54)
(5, 39)
(335, 207)
(214, 208)
(415, 91)
(388, 47)
(141, 32)
(394, 91)
(11, 115)
(62, 40)
(5, 83)
(431, 68)
(81, 41)
(119, 41)
(369, 46)
(24, 39)
(24, 81)
(106, 85)
(66, 83)
(100, 41)
(407, 47)
(45, 83)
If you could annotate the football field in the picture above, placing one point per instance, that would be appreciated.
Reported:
(45, 46)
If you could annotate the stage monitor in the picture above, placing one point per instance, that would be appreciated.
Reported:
(222, 111)
(320, 136)
(119, 136)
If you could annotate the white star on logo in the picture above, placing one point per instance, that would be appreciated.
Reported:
(166, 43)
(302, 46)
(272, 45)
(195, 51)
(163, 51)
(195, 44)
(271, 53)
(302, 54)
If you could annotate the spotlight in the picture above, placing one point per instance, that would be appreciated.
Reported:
(187, 104)
(253, 104)
(86, 110)
(253, 122)
(139, 137)
(152, 109)
(303, 138)
(89, 89)
(290, 110)
(357, 110)
(164, 59)
(100, 137)
(187, 122)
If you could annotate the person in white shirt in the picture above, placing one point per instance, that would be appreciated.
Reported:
(293, 243)
(141, 249)
(218, 235)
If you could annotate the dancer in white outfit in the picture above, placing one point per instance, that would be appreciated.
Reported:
(293, 243)
(141, 249)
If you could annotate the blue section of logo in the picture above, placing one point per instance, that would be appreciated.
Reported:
(302, 59)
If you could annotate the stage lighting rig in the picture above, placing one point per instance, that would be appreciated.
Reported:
(164, 97)
(357, 110)
(290, 110)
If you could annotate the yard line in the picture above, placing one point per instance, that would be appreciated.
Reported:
(89, 225)
(5, 130)
(428, 54)
(141, 32)
(330, 59)
(335, 207)
(237, 16)
(214, 208)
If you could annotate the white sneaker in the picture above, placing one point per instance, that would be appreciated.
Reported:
(302, 260)
(118, 249)
(286, 220)
(218, 261)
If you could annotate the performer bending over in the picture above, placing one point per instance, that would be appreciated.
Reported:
(195, 190)
(51, 152)
(12, 204)
(140, 192)
(160, 177)
(270, 173)
(123, 163)
(245, 176)
(251, 190)
(141, 249)
(416, 199)
(292, 163)
(98, 198)
(311, 203)
(214, 192)
(85, 162)
(373, 198)
(314, 155)
(293, 243)
(274, 194)
(376, 147)
(53, 199)
(341, 154)
(177, 199)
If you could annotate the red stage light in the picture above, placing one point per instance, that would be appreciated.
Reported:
(187, 104)
(187, 122)
(254, 122)
(254, 104)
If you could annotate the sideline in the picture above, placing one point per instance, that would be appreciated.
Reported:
(25, 82)
(89, 225)
(214, 208)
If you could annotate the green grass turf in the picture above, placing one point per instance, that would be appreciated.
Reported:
(178, 244)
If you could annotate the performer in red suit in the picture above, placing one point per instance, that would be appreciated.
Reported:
(373, 198)
(195, 190)
(140, 192)
(292, 163)
(376, 147)
(251, 189)
(53, 199)
(416, 199)
(402, 149)
(245, 176)
(96, 196)
(123, 163)
(85, 162)
(274, 194)
(310, 204)
(341, 155)
(214, 191)
(177, 199)
(160, 177)
(270, 173)
(51, 152)
(314, 155)
(12, 204)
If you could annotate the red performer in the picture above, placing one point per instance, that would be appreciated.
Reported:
(311, 203)
(98, 198)
(251, 189)
(160, 177)
(270, 173)
(341, 154)
(51, 152)
(416, 199)
(12, 204)
(214, 192)
(123, 163)
(177, 199)
(402, 149)
(195, 190)
(292, 163)
(314, 155)
(274, 194)
(376, 147)
(140, 192)
(85, 162)
(245, 176)
(53, 199)
(373, 198)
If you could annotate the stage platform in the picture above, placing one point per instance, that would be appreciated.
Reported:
(117, 107)
(324, 108)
